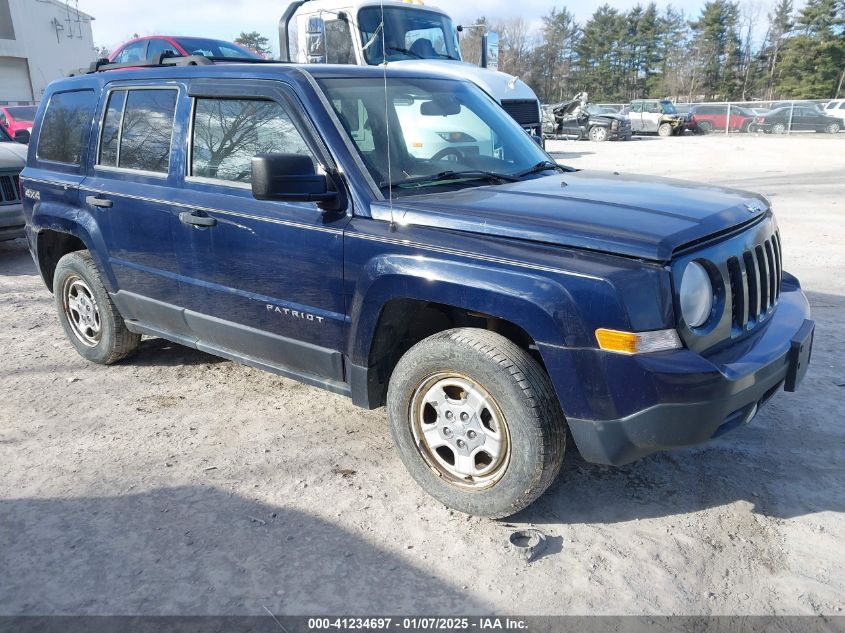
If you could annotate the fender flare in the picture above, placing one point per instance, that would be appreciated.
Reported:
(73, 222)
(537, 303)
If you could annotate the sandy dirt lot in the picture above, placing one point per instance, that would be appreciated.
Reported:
(176, 482)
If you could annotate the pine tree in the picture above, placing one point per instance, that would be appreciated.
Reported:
(780, 26)
(552, 60)
(717, 40)
(812, 63)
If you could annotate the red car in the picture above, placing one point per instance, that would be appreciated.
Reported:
(17, 118)
(146, 48)
(715, 117)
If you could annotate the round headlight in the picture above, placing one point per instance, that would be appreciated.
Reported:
(696, 295)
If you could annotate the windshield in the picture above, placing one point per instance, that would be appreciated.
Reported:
(22, 113)
(408, 34)
(438, 132)
(214, 48)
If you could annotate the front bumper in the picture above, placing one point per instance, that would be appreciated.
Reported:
(680, 398)
(12, 222)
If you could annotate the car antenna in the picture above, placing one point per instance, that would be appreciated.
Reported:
(387, 119)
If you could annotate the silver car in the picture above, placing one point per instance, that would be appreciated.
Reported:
(12, 161)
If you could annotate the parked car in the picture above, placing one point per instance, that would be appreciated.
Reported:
(578, 119)
(835, 108)
(147, 48)
(798, 118)
(12, 161)
(788, 104)
(18, 119)
(657, 115)
(491, 300)
(714, 116)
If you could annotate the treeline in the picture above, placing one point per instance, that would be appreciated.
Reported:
(730, 51)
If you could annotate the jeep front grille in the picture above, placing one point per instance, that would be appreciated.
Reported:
(754, 282)
(526, 112)
(9, 189)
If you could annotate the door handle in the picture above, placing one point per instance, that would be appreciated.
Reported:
(96, 201)
(197, 220)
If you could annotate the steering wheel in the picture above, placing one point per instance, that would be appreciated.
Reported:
(448, 151)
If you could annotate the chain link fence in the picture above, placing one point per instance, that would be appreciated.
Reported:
(762, 117)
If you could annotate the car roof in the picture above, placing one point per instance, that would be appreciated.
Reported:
(238, 70)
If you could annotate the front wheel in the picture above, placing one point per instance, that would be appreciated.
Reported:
(89, 318)
(476, 422)
(665, 129)
(778, 128)
(705, 127)
(598, 134)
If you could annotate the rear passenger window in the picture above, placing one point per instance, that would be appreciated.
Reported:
(227, 133)
(66, 127)
(137, 130)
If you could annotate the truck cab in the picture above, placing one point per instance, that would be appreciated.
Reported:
(414, 36)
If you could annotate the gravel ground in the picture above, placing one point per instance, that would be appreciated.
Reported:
(176, 482)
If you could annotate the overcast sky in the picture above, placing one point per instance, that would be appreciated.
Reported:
(225, 19)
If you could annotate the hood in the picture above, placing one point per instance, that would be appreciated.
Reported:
(12, 156)
(499, 85)
(566, 108)
(634, 216)
(609, 115)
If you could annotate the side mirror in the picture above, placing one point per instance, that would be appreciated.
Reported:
(289, 177)
(539, 140)
(22, 136)
(490, 51)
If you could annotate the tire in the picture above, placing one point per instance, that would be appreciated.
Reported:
(91, 321)
(664, 129)
(705, 127)
(457, 368)
(778, 128)
(832, 128)
(598, 134)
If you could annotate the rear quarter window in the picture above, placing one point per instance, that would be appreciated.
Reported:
(66, 127)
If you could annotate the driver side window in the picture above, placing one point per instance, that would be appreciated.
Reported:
(339, 48)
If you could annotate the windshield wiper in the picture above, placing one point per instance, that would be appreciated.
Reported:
(451, 175)
(542, 166)
(404, 51)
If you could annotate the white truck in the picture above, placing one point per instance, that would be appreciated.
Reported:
(414, 35)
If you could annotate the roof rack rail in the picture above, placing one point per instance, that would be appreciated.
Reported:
(164, 60)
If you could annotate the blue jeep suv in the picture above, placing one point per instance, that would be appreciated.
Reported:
(297, 219)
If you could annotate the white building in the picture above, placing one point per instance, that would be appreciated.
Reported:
(40, 41)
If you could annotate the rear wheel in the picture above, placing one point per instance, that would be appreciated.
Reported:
(476, 422)
(598, 134)
(665, 129)
(832, 128)
(778, 128)
(90, 320)
(705, 127)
